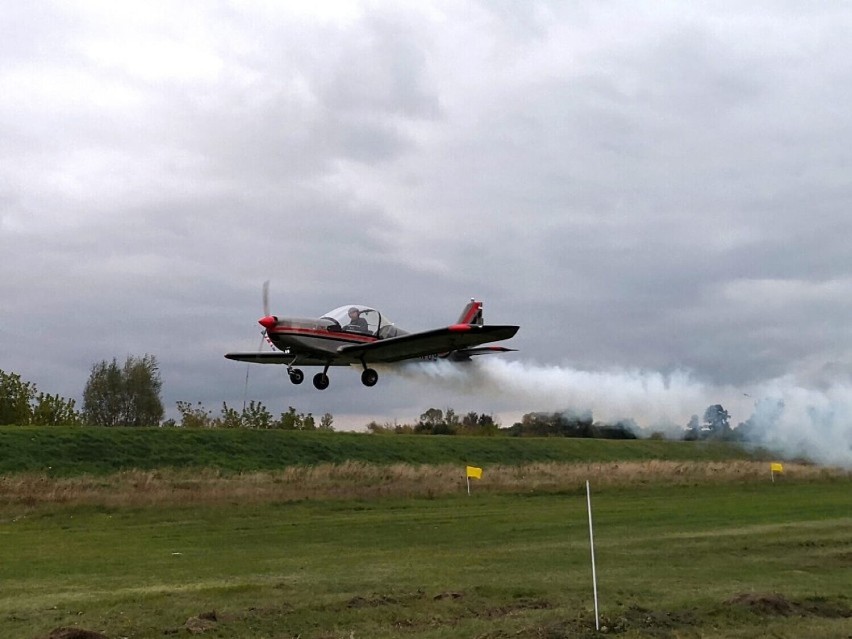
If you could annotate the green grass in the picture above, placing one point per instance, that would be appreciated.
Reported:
(72, 451)
(669, 560)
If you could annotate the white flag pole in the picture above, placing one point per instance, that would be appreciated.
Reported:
(592, 544)
(468, 484)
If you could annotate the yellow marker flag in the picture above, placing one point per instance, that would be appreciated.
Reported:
(473, 471)
(776, 467)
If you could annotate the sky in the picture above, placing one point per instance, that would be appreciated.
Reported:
(657, 193)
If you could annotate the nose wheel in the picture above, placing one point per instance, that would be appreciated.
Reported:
(296, 376)
(369, 377)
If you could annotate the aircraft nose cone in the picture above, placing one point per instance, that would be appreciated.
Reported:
(268, 322)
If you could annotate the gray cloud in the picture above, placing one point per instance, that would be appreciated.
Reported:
(654, 188)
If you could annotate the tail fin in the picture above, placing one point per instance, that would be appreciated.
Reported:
(472, 313)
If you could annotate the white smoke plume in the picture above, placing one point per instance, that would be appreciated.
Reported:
(804, 422)
(781, 415)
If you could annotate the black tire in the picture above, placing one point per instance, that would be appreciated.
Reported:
(297, 376)
(369, 377)
(321, 381)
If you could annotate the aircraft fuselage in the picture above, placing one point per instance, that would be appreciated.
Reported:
(315, 335)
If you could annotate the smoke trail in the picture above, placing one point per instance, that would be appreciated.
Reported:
(787, 418)
(811, 423)
(650, 398)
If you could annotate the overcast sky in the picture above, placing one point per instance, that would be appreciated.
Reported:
(647, 189)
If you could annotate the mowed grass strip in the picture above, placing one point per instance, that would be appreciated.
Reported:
(684, 560)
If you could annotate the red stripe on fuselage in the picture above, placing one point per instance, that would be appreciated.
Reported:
(338, 336)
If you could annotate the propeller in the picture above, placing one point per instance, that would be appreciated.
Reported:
(265, 297)
(267, 321)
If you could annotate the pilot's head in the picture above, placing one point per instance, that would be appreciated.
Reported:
(354, 312)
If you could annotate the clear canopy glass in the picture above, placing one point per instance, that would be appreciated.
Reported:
(357, 318)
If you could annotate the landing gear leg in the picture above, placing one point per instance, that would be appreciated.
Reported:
(296, 375)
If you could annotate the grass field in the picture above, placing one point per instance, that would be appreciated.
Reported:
(71, 451)
(701, 547)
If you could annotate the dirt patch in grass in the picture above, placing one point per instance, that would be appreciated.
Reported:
(375, 600)
(768, 604)
(776, 605)
(74, 633)
(652, 623)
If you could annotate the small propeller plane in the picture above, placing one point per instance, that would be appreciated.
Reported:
(357, 334)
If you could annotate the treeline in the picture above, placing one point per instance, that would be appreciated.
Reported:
(22, 403)
(716, 425)
(438, 422)
(254, 415)
(556, 424)
(128, 395)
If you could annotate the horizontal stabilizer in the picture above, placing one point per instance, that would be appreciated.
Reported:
(465, 354)
(486, 350)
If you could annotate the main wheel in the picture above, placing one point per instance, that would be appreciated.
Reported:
(369, 377)
(321, 381)
(297, 376)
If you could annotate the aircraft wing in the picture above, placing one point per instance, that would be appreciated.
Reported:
(434, 342)
(281, 357)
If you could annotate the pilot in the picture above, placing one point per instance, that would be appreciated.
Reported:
(356, 322)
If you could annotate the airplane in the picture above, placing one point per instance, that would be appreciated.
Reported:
(358, 334)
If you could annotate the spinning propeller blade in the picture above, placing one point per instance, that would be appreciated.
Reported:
(266, 298)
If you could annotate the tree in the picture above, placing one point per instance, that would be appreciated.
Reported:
(143, 406)
(308, 422)
(15, 397)
(126, 396)
(429, 421)
(256, 415)
(390, 428)
(717, 421)
(693, 429)
(435, 422)
(562, 424)
(326, 422)
(22, 403)
(103, 397)
(53, 410)
(475, 424)
(194, 416)
(289, 420)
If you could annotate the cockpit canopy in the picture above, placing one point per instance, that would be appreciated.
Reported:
(357, 318)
